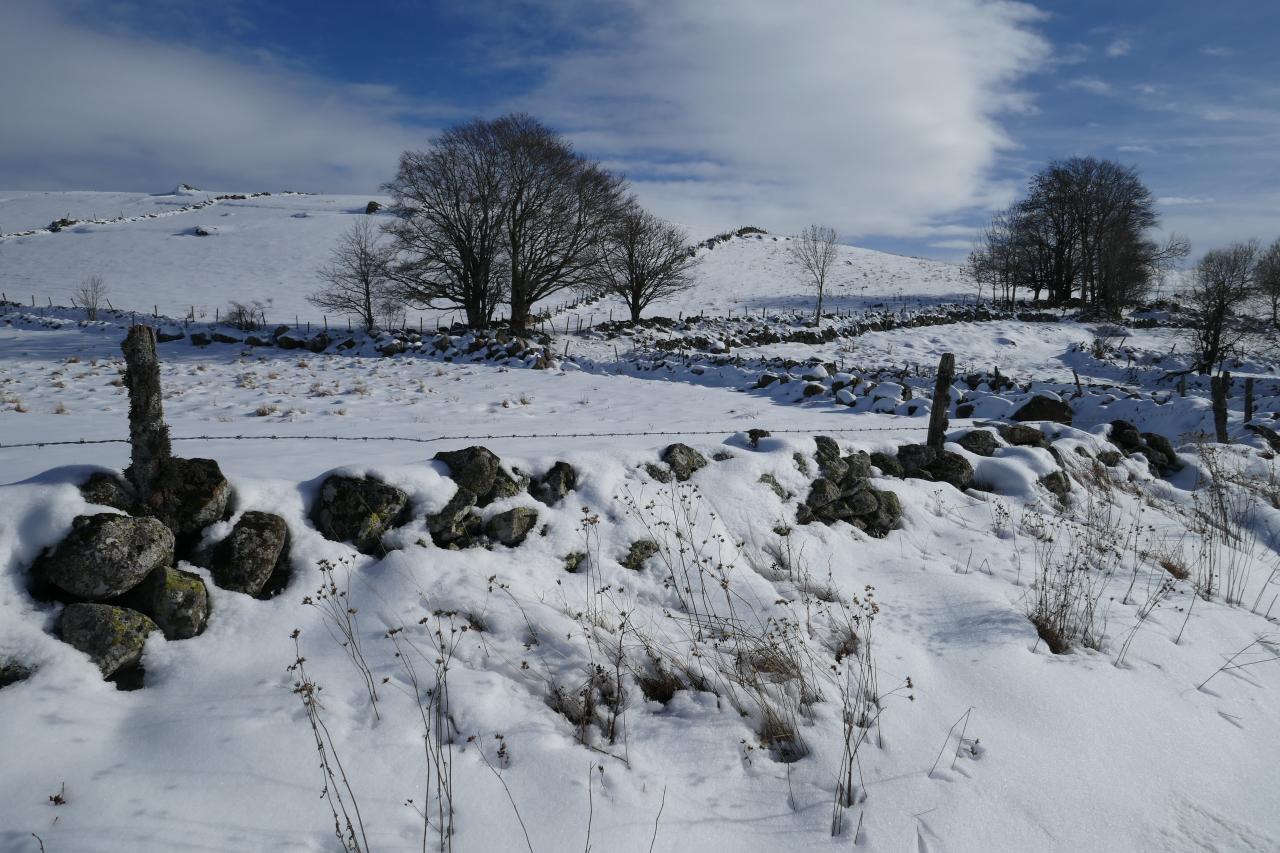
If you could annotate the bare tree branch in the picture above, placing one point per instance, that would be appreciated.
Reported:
(816, 250)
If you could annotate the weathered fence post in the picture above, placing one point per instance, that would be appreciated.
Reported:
(1219, 388)
(1248, 399)
(941, 402)
(148, 434)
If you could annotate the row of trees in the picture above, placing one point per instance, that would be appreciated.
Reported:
(1228, 287)
(504, 212)
(1083, 232)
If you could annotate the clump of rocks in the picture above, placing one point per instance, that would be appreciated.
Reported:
(1158, 451)
(843, 492)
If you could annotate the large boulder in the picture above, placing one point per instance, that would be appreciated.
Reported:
(358, 510)
(511, 527)
(888, 465)
(480, 472)
(176, 600)
(191, 495)
(1043, 408)
(683, 460)
(111, 636)
(106, 555)
(979, 442)
(552, 486)
(256, 548)
(914, 458)
(951, 468)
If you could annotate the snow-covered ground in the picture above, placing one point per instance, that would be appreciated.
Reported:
(980, 739)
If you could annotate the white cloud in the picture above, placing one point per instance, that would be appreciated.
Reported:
(878, 117)
(1216, 50)
(1136, 149)
(1119, 47)
(113, 111)
(1181, 201)
(1092, 85)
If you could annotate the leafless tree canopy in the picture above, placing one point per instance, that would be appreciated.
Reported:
(356, 276)
(816, 250)
(448, 227)
(644, 260)
(498, 210)
(1081, 232)
(1224, 286)
(1268, 275)
(90, 296)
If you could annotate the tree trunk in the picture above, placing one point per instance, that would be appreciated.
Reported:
(941, 402)
(148, 434)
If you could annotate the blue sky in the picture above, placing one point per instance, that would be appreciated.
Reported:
(901, 122)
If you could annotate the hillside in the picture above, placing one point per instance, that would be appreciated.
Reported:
(705, 591)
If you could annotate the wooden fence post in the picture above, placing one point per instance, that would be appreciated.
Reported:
(941, 402)
(1219, 389)
(1248, 399)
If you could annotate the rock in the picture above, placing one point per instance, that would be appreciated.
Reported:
(772, 482)
(573, 561)
(457, 523)
(721, 456)
(828, 450)
(914, 458)
(106, 555)
(552, 486)
(657, 472)
(754, 436)
(318, 343)
(511, 527)
(765, 380)
(372, 207)
(639, 553)
(111, 636)
(1042, 408)
(1161, 445)
(1021, 435)
(1124, 435)
(11, 672)
(224, 338)
(176, 600)
(255, 341)
(480, 472)
(164, 337)
(979, 442)
(199, 339)
(191, 495)
(952, 468)
(683, 460)
(813, 389)
(1057, 482)
(857, 467)
(1110, 458)
(256, 548)
(964, 410)
(358, 510)
(887, 464)
(109, 489)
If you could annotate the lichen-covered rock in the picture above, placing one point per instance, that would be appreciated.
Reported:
(1125, 436)
(979, 442)
(480, 471)
(1110, 458)
(772, 482)
(457, 523)
(888, 465)
(1057, 482)
(13, 671)
(914, 458)
(511, 527)
(1168, 461)
(854, 501)
(573, 561)
(358, 510)
(657, 472)
(109, 489)
(554, 485)
(1021, 435)
(111, 636)
(106, 555)
(176, 600)
(683, 460)
(1042, 408)
(639, 553)
(192, 494)
(254, 550)
(948, 467)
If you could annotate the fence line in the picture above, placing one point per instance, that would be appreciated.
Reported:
(490, 437)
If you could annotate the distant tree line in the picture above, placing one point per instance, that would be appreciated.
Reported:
(1081, 234)
(1232, 287)
(504, 212)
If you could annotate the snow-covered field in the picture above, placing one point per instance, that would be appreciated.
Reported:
(970, 734)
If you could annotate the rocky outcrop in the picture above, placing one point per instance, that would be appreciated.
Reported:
(257, 548)
(106, 555)
(111, 636)
(358, 510)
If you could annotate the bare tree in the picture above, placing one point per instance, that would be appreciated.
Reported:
(1224, 285)
(557, 208)
(1269, 280)
(815, 249)
(644, 260)
(448, 229)
(356, 276)
(90, 295)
